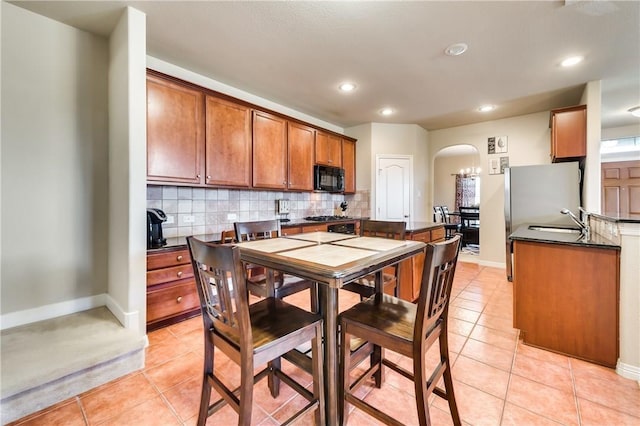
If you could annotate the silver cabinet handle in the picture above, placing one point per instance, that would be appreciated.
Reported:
(179, 274)
(179, 258)
(179, 299)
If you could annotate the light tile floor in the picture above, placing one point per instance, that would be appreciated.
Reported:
(498, 380)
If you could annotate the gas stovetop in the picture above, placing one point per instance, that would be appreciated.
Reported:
(325, 218)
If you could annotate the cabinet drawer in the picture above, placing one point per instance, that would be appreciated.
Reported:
(437, 234)
(164, 275)
(314, 228)
(291, 230)
(421, 236)
(168, 258)
(172, 300)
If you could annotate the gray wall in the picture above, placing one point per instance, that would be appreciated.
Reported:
(54, 162)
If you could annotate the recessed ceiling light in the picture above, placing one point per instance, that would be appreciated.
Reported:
(456, 49)
(347, 87)
(635, 111)
(486, 108)
(569, 62)
(386, 111)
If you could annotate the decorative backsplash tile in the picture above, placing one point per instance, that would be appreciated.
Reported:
(193, 211)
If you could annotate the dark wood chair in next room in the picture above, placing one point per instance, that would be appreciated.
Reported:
(409, 330)
(451, 228)
(365, 287)
(250, 335)
(284, 284)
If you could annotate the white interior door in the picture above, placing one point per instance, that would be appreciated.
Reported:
(394, 183)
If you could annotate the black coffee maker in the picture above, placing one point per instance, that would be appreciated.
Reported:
(155, 217)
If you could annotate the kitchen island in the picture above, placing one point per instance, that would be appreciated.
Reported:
(566, 292)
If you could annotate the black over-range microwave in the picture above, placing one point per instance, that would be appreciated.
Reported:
(328, 178)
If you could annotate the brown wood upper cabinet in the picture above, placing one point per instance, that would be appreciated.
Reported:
(228, 143)
(269, 151)
(301, 140)
(349, 165)
(175, 132)
(568, 133)
(328, 149)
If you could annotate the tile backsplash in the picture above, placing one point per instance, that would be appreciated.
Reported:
(196, 211)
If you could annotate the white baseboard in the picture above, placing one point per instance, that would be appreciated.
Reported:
(41, 313)
(475, 259)
(129, 320)
(628, 371)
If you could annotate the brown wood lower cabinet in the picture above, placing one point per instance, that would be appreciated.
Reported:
(566, 299)
(171, 289)
(411, 273)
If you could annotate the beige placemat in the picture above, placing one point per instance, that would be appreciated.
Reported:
(328, 254)
(372, 243)
(273, 245)
(321, 237)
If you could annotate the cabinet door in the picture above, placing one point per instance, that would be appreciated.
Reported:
(175, 141)
(228, 143)
(569, 132)
(328, 149)
(349, 165)
(301, 142)
(269, 151)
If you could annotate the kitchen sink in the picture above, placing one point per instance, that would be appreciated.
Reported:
(555, 229)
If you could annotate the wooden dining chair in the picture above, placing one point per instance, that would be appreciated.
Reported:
(284, 284)
(249, 335)
(407, 329)
(228, 236)
(450, 227)
(365, 286)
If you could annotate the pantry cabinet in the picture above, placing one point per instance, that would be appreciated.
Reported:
(175, 132)
(568, 133)
(227, 143)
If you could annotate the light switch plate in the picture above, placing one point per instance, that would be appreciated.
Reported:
(282, 206)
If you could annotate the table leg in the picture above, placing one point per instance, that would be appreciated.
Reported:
(329, 309)
(376, 356)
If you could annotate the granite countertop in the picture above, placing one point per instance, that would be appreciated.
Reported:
(631, 218)
(180, 242)
(302, 222)
(523, 233)
(422, 226)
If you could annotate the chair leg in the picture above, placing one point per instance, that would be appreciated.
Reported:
(376, 358)
(420, 384)
(205, 394)
(272, 379)
(318, 376)
(344, 381)
(246, 393)
(448, 380)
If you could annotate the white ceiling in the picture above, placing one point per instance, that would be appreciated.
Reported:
(296, 53)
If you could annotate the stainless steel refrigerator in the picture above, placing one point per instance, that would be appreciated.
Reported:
(536, 194)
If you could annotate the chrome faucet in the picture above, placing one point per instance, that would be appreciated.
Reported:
(584, 227)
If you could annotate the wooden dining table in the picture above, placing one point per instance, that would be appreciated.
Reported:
(332, 260)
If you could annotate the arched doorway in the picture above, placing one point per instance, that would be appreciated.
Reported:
(457, 184)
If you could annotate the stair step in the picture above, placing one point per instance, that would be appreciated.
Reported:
(49, 361)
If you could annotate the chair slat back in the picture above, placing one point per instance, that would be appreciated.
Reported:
(228, 236)
(221, 287)
(383, 228)
(437, 280)
(258, 230)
